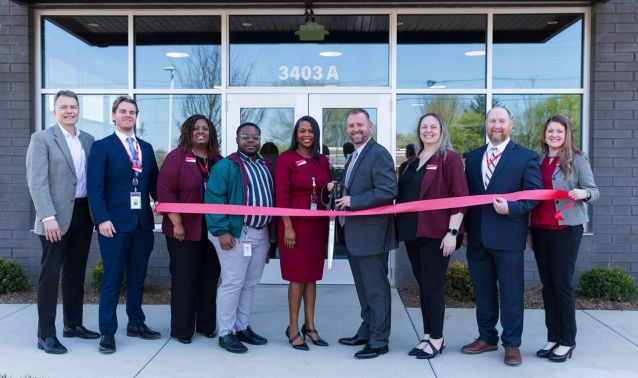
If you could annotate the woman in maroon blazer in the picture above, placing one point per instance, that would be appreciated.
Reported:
(431, 236)
(194, 265)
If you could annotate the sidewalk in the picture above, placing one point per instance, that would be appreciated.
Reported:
(607, 345)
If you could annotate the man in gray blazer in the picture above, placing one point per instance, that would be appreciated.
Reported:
(56, 175)
(370, 181)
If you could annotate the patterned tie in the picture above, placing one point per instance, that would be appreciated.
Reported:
(131, 148)
(491, 165)
(342, 219)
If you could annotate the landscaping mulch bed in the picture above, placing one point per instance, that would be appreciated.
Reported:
(161, 294)
(533, 299)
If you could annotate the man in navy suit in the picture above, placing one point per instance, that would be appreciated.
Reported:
(122, 175)
(497, 234)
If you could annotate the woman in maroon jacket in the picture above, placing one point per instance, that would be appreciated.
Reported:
(194, 265)
(431, 236)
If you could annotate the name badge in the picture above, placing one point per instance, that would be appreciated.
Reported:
(136, 200)
(313, 202)
(300, 162)
(190, 159)
(431, 167)
(247, 247)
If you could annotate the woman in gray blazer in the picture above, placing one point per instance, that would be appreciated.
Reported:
(556, 241)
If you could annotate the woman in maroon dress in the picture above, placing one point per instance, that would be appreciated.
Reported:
(301, 173)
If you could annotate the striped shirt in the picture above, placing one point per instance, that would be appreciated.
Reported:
(260, 189)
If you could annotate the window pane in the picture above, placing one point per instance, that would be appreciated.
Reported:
(84, 52)
(276, 126)
(529, 113)
(157, 112)
(178, 52)
(538, 51)
(441, 51)
(464, 116)
(95, 114)
(264, 51)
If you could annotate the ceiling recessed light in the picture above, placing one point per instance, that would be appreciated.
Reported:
(330, 53)
(246, 24)
(93, 25)
(177, 54)
(552, 22)
(475, 53)
(437, 87)
(415, 105)
(399, 23)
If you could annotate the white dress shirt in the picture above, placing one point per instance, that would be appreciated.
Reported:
(500, 148)
(79, 159)
(122, 138)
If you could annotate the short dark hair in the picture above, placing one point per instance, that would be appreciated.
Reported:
(122, 99)
(294, 143)
(354, 111)
(66, 93)
(246, 124)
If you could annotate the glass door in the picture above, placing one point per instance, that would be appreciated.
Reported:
(276, 115)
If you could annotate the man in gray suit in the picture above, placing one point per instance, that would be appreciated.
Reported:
(369, 182)
(56, 175)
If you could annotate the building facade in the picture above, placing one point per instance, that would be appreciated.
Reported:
(239, 61)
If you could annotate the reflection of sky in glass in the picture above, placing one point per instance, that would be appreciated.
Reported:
(153, 119)
(95, 114)
(276, 124)
(69, 62)
(201, 69)
(529, 113)
(440, 65)
(359, 64)
(463, 114)
(553, 64)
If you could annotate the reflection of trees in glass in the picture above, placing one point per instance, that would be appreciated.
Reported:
(463, 116)
(531, 111)
(276, 124)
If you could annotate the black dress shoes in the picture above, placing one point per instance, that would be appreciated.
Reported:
(81, 332)
(369, 352)
(107, 344)
(142, 332)
(51, 345)
(184, 340)
(210, 335)
(250, 337)
(231, 344)
(354, 340)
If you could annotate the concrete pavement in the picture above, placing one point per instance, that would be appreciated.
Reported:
(607, 345)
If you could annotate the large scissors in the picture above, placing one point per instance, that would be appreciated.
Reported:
(328, 199)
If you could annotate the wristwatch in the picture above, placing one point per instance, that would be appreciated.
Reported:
(452, 231)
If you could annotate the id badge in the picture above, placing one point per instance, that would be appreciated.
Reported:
(248, 248)
(136, 200)
(313, 202)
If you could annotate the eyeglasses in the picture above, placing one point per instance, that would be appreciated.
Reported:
(254, 138)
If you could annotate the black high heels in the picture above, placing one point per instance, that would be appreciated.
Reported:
(302, 346)
(305, 331)
(414, 351)
(423, 355)
(562, 357)
(545, 353)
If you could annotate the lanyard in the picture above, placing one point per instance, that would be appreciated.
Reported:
(134, 163)
(202, 167)
(314, 186)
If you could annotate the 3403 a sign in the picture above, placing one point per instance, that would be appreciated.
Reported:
(308, 73)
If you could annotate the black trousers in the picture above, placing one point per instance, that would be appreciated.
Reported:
(556, 252)
(68, 255)
(429, 267)
(195, 270)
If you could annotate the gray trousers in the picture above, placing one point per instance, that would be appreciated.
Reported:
(373, 289)
(239, 276)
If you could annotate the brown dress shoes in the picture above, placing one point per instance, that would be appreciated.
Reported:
(512, 356)
(478, 346)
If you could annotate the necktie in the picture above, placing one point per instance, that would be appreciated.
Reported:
(131, 148)
(491, 165)
(346, 182)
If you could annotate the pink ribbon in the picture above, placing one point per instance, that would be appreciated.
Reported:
(406, 207)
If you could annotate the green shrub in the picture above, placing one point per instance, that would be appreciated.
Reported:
(96, 277)
(458, 283)
(609, 283)
(12, 276)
